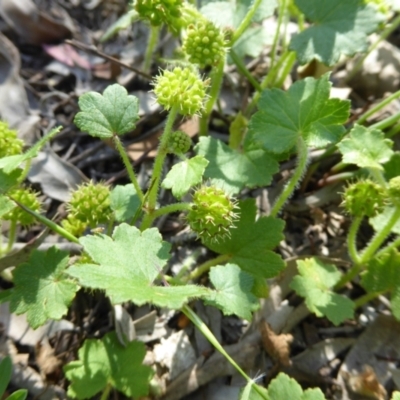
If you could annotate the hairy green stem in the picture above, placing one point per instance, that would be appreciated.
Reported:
(106, 392)
(281, 13)
(203, 328)
(349, 276)
(246, 22)
(363, 118)
(366, 299)
(378, 176)
(128, 166)
(385, 123)
(12, 235)
(205, 267)
(243, 70)
(391, 246)
(352, 239)
(50, 224)
(389, 29)
(298, 173)
(150, 200)
(284, 72)
(269, 79)
(151, 45)
(217, 76)
(380, 237)
(171, 208)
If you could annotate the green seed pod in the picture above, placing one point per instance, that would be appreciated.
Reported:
(74, 225)
(212, 213)
(159, 12)
(394, 190)
(28, 198)
(90, 204)
(179, 143)
(10, 145)
(180, 87)
(364, 198)
(204, 44)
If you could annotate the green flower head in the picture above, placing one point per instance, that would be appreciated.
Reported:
(181, 87)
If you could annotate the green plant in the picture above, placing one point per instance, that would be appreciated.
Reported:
(5, 376)
(128, 258)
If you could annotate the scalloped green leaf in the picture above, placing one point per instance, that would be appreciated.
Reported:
(42, 289)
(127, 265)
(305, 110)
(382, 274)
(185, 175)
(124, 201)
(104, 362)
(232, 291)
(236, 170)
(366, 148)
(340, 28)
(314, 283)
(112, 113)
(251, 242)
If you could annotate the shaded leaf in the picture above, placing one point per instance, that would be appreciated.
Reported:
(124, 201)
(237, 170)
(314, 283)
(304, 110)
(232, 291)
(340, 28)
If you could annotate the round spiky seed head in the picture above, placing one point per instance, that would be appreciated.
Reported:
(394, 190)
(159, 12)
(90, 203)
(364, 198)
(74, 225)
(28, 198)
(204, 44)
(179, 143)
(212, 213)
(10, 145)
(180, 87)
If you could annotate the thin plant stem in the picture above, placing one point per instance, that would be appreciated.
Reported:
(366, 298)
(393, 131)
(268, 80)
(50, 224)
(385, 123)
(151, 45)
(364, 117)
(243, 70)
(298, 173)
(393, 245)
(171, 208)
(106, 392)
(12, 234)
(128, 166)
(378, 176)
(205, 267)
(203, 328)
(382, 36)
(216, 82)
(380, 237)
(349, 276)
(352, 239)
(150, 199)
(245, 23)
(281, 12)
(291, 59)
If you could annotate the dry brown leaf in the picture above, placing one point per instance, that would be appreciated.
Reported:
(365, 383)
(277, 346)
(34, 25)
(49, 365)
